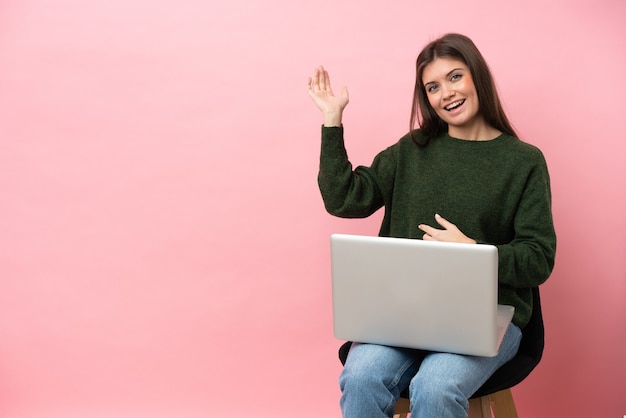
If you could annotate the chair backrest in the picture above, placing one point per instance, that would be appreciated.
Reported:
(520, 366)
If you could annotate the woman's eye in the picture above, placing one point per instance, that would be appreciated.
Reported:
(455, 77)
(431, 88)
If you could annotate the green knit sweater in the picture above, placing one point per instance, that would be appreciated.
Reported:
(496, 192)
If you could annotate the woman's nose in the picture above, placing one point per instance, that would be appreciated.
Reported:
(447, 92)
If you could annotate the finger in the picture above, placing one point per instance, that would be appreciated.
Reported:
(344, 93)
(318, 75)
(429, 230)
(315, 80)
(324, 80)
(443, 222)
(311, 84)
(311, 90)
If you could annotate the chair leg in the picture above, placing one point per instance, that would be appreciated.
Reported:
(402, 408)
(500, 402)
(503, 405)
(479, 408)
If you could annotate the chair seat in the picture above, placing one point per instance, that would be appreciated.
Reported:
(508, 375)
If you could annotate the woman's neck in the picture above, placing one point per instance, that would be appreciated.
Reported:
(478, 131)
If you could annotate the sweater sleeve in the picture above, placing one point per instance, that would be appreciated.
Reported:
(347, 193)
(528, 259)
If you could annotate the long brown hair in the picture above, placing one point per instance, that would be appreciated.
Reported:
(460, 47)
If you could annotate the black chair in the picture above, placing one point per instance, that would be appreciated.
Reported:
(495, 394)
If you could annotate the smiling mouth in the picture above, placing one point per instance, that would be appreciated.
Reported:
(454, 105)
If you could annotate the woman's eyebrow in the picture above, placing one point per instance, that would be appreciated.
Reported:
(456, 69)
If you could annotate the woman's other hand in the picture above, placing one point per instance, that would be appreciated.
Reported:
(449, 233)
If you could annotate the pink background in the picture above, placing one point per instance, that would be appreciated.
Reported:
(163, 244)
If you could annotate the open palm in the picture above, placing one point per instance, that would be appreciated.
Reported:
(322, 94)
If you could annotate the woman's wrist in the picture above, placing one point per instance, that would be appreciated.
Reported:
(332, 119)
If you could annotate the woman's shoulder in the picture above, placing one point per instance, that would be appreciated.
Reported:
(413, 139)
(401, 145)
(524, 148)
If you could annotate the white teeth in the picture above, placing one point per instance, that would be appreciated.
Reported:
(454, 105)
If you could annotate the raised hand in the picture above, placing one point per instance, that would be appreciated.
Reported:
(322, 94)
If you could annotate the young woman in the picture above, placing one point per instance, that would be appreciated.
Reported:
(463, 176)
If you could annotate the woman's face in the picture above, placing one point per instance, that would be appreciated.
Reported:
(451, 93)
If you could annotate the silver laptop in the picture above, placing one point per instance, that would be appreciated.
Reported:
(417, 294)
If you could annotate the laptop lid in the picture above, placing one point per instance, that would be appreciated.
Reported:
(417, 294)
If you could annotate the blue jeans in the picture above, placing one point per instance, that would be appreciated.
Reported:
(439, 384)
